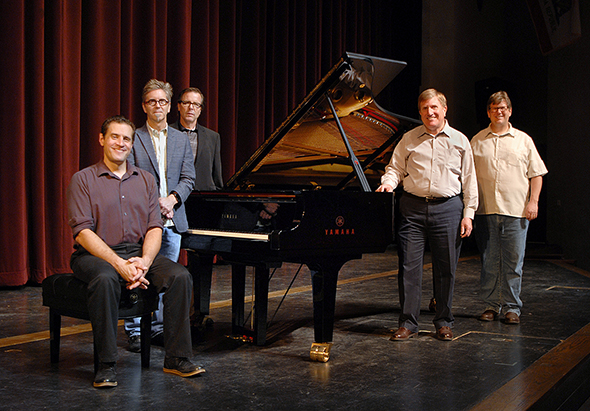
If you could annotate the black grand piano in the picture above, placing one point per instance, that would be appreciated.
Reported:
(316, 175)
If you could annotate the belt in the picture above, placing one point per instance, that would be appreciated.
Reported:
(429, 199)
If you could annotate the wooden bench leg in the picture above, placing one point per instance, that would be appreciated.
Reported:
(54, 334)
(145, 330)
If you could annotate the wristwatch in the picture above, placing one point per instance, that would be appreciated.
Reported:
(175, 194)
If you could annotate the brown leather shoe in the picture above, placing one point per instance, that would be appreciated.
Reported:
(488, 315)
(402, 334)
(444, 333)
(511, 318)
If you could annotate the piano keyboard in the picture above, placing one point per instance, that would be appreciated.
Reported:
(231, 234)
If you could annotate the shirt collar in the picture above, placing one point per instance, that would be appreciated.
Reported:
(156, 133)
(510, 131)
(446, 130)
(183, 128)
(102, 169)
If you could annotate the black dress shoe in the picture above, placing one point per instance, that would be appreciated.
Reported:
(135, 343)
(197, 320)
(402, 334)
(106, 376)
(181, 366)
(200, 322)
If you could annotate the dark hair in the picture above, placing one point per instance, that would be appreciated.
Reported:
(193, 90)
(120, 120)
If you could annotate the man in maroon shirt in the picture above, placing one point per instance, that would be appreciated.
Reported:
(114, 214)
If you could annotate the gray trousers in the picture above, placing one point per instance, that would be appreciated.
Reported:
(439, 224)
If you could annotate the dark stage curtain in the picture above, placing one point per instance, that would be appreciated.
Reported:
(69, 64)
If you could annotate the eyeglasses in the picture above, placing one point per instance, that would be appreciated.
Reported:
(497, 109)
(153, 102)
(191, 103)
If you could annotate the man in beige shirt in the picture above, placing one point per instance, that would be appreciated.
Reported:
(509, 175)
(434, 162)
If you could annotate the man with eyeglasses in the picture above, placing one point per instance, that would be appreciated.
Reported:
(166, 153)
(206, 149)
(510, 176)
(205, 143)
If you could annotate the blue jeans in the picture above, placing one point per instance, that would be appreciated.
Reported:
(170, 249)
(501, 241)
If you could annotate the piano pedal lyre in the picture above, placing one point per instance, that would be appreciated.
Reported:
(320, 352)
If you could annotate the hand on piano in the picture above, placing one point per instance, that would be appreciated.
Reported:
(269, 210)
(384, 188)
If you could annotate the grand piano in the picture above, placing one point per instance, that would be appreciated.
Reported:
(316, 176)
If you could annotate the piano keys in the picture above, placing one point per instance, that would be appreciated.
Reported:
(320, 168)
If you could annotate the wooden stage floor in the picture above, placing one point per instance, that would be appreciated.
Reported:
(543, 363)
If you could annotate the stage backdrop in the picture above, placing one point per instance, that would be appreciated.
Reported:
(69, 64)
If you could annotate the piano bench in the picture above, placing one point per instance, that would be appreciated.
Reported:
(65, 294)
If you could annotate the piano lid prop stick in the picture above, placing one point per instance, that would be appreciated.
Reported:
(253, 306)
(355, 162)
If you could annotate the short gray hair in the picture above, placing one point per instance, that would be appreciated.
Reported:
(154, 84)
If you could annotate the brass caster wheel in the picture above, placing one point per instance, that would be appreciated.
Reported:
(320, 352)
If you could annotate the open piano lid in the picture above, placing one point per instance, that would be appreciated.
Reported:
(307, 150)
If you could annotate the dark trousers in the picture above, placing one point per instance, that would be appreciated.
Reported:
(200, 266)
(439, 223)
(104, 294)
(201, 269)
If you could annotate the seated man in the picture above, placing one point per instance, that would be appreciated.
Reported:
(114, 214)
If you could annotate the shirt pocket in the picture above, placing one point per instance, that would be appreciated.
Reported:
(514, 163)
(515, 159)
(450, 158)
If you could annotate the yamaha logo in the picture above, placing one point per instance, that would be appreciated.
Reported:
(339, 231)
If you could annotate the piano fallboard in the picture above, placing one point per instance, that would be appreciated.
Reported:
(308, 225)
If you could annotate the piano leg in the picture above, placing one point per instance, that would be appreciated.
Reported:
(261, 275)
(238, 294)
(260, 314)
(201, 269)
(324, 278)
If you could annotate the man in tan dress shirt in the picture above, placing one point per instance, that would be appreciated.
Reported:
(434, 162)
(509, 174)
